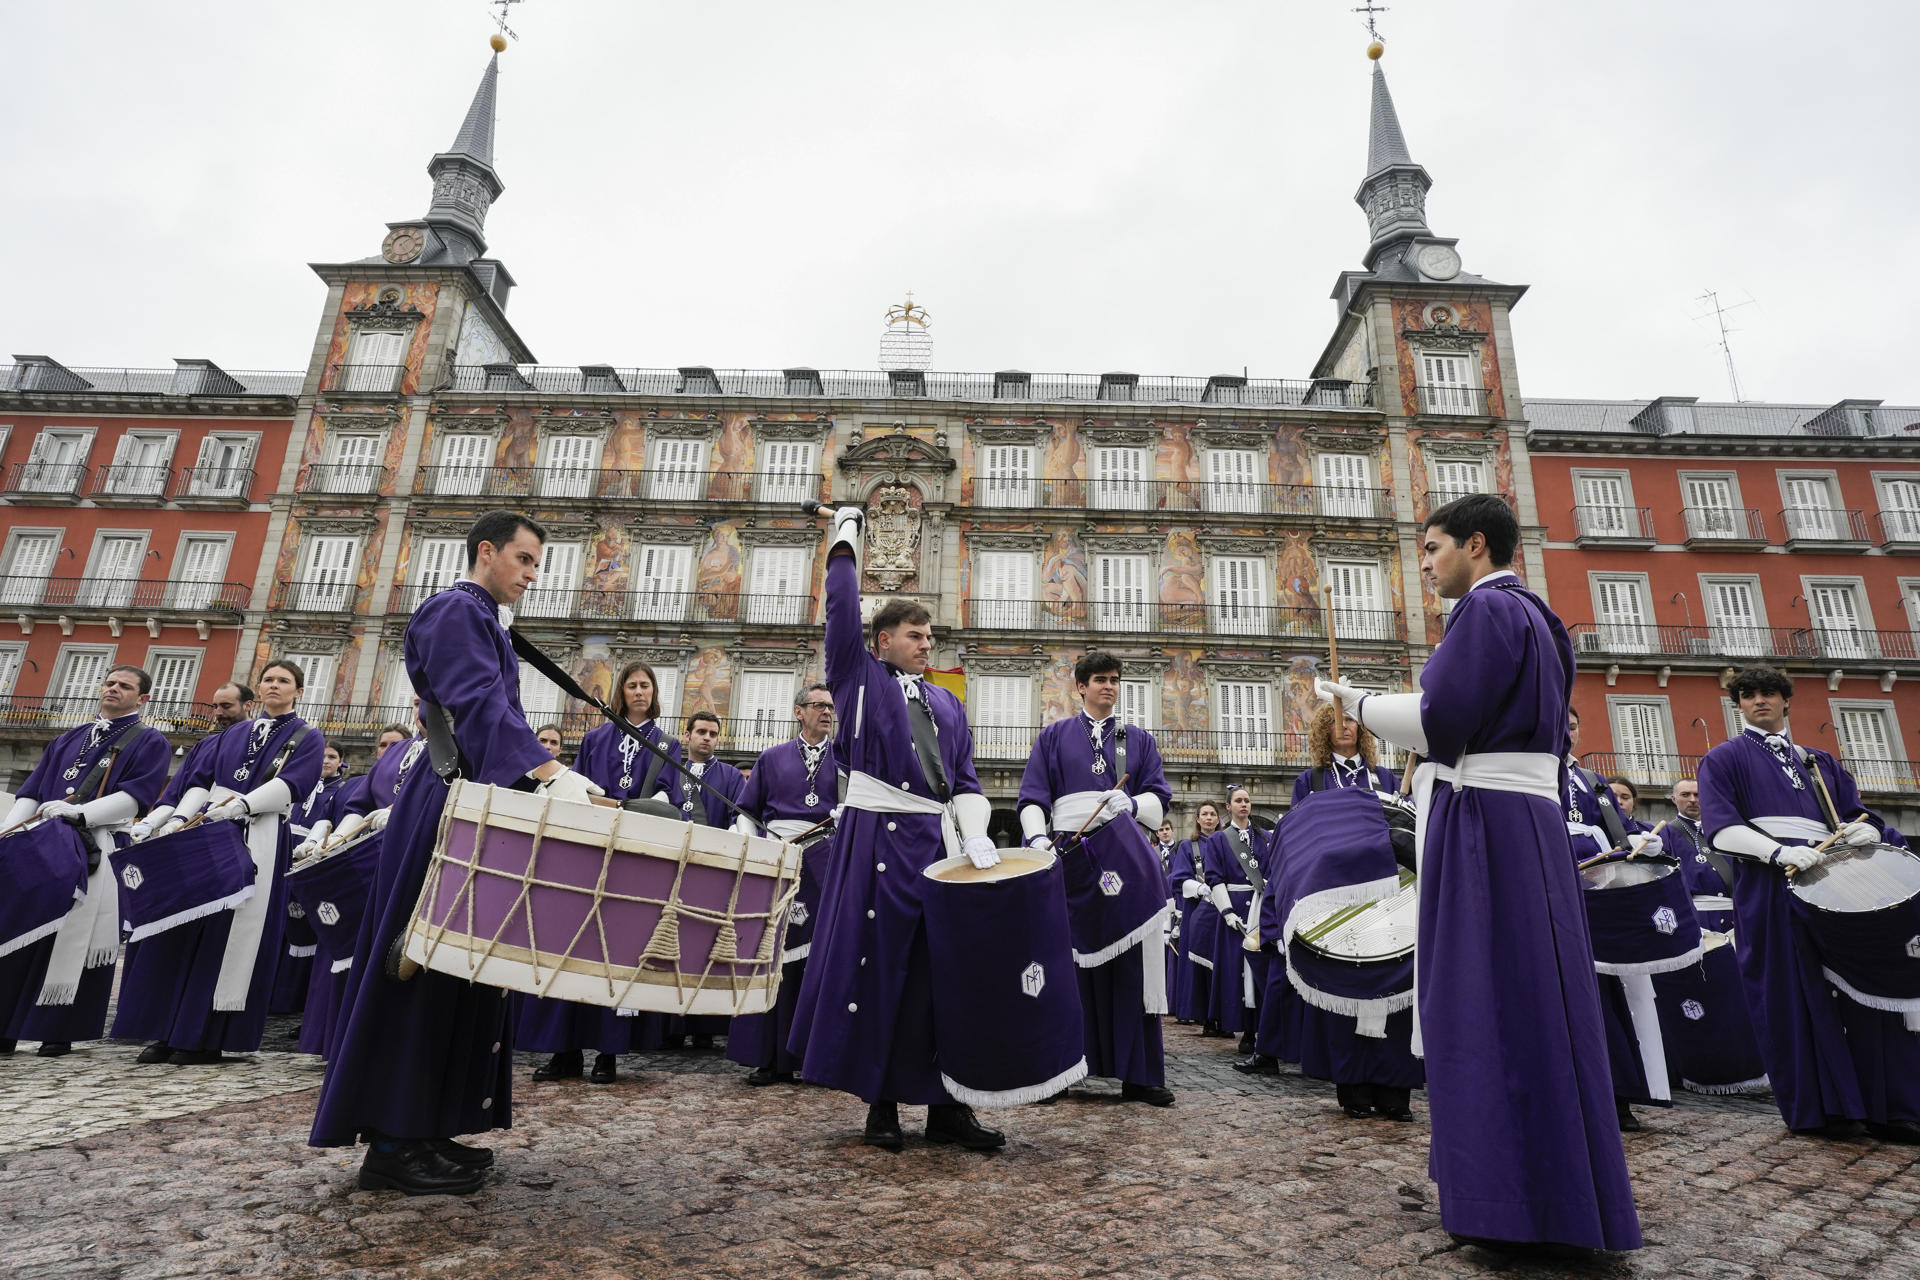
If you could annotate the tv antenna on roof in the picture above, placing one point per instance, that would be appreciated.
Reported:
(1719, 312)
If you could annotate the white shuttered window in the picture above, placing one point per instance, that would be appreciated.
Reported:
(556, 591)
(1643, 739)
(464, 459)
(1345, 480)
(1245, 721)
(1006, 477)
(1001, 716)
(1003, 593)
(1120, 593)
(76, 680)
(763, 709)
(567, 466)
(29, 565)
(1620, 605)
(660, 591)
(327, 584)
(1240, 595)
(1359, 609)
(678, 472)
(1233, 481)
(777, 586)
(1119, 479)
(1734, 618)
(788, 472)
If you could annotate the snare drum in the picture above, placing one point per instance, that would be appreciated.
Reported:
(1116, 891)
(1705, 1024)
(1640, 916)
(603, 906)
(1862, 906)
(1006, 1002)
(45, 868)
(1358, 959)
(332, 887)
(175, 879)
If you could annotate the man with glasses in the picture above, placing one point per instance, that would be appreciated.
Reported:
(792, 789)
(98, 778)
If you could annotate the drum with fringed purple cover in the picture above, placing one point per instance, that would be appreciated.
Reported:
(1116, 891)
(1705, 1024)
(170, 880)
(44, 868)
(1640, 917)
(1862, 906)
(602, 906)
(1006, 1002)
(333, 890)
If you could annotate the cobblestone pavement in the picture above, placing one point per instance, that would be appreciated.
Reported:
(680, 1169)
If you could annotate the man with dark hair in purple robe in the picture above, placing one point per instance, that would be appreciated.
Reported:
(231, 702)
(792, 789)
(424, 1060)
(681, 780)
(1236, 861)
(1834, 1061)
(864, 1024)
(1086, 771)
(1526, 1144)
(97, 777)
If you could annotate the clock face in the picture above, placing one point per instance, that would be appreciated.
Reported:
(403, 244)
(1439, 262)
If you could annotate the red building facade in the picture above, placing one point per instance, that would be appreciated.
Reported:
(1686, 539)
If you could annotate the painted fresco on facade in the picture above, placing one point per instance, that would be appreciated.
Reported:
(719, 569)
(1299, 574)
(1410, 314)
(708, 685)
(732, 453)
(1065, 458)
(421, 297)
(1063, 576)
(1057, 696)
(1184, 703)
(1297, 700)
(593, 668)
(1290, 463)
(1175, 459)
(1183, 591)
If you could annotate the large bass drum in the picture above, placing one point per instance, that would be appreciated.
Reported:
(1862, 906)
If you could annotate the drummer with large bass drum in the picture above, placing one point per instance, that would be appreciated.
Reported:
(1100, 779)
(95, 779)
(1835, 1059)
(865, 1021)
(423, 1060)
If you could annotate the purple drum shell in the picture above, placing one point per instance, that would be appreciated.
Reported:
(1706, 1026)
(334, 889)
(485, 919)
(171, 880)
(1643, 928)
(1007, 1027)
(46, 873)
(1115, 891)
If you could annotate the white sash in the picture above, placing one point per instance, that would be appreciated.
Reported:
(90, 935)
(788, 828)
(249, 918)
(869, 794)
(1071, 811)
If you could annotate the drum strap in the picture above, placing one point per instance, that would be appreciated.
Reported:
(1120, 756)
(1609, 816)
(286, 753)
(90, 786)
(443, 751)
(1249, 863)
(1715, 859)
(652, 776)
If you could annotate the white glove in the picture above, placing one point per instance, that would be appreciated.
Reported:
(1235, 923)
(1192, 890)
(1854, 833)
(980, 851)
(1339, 691)
(58, 809)
(1112, 805)
(847, 524)
(568, 785)
(1043, 843)
(316, 836)
(377, 820)
(1798, 857)
(170, 826)
(844, 516)
(140, 830)
(350, 826)
(234, 810)
(1646, 846)
(220, 795)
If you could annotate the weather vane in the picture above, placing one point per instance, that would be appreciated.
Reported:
(500, 8)
(1370, 10)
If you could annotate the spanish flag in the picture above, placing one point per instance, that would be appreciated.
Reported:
(954, 681)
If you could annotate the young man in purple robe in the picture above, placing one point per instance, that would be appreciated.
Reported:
(1526, 1144)
(1086, 771)
(1236, 862)
(201, 989)
(791, 791)
(1835, 1062)
(422, 1061)
(864, 1023)
(98, 777)
(232, 703)
(682, 782)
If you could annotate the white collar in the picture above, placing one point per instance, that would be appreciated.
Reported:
(1345, 762)
(1495, 576)
(1763, 734)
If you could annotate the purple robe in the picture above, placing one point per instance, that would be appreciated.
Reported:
(706, 808)
(430, 1057)
(1122, 1041)
(319, 804)
(1315, 778)
(1199, 924)
(1234, 967)
(1177, 980)
(1829, 1057)
(191, 764)
(610, 758)
(140, 770)
(167, 987)
(777, 791)
(864, 1023)
(1526, 1143)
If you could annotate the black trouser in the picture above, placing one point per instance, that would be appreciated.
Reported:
(1381, 1097)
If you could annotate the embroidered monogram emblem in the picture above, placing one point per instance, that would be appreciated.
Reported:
(1913, 947)
(1033, 980)
(1665, 921)
(328, 913)
(1693, 1010)
(295, 910)
(798, 916)
(1111, 883)
(131, 877)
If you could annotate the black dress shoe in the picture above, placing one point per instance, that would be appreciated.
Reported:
(703, 1040)
(1834, 1129)
(158, 1051)
(767, 1075)
(1629, 1122)
(416, 1169)
(8, 1046)
(1402, 1114)
(196, 1057)
(883, 1127)
(953, 1122)
(1152, 1094)
(55, 1048)
(605, 1069)
(462, 1154)
(565, 1065)
(1210, 1030)
(1907, 1135)
(1246, 1042)
(1258, 1064)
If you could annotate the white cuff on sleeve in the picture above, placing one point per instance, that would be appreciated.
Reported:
(1033, 821)
(1148, 811)
(110, 810)
(1222, 900)
(191, 803)
(1745, 842)
(1395, 717)
(971, 813)
(274, 796)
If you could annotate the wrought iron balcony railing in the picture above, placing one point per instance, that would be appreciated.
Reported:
(619, 485)
(192, 378)
(1253, 747)
(56, 713)
(130, 594)
(1470, 402)
(363, 379)
(126, 481)
(1221, 618)
(1824, 525)
(319, 595)
(1603, 525)
(52, 480)
(355, 478)
(595, 604)
(1726, 643)
(1707, 526)
(1898, 529)
(1643, 769)
(222, 485)
(1344, 502)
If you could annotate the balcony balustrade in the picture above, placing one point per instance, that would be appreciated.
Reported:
(214, 486)
(1344, 502)
(1220, 618)
(125, 482)
(1727, 643)
(319, 595)
(1468, 402)
(128, 595)
(618, 485)
(596, 605)
(44, 481)
(1825, 529)
(1613, 526)
(1898, 530)
(363, 379)
(1724, 528)
(54, 714)
(346, 478)
(1188, 748)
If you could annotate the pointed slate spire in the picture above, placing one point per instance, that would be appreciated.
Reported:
(1394, 192)
(1386, 145)
(464, 183)
(475, 138)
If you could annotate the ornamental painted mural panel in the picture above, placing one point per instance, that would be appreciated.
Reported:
(1185, 704)
(1291, 463)
(709, 684)
(1183, 591)
(721, 562)
(1175, 459)
(1063, 576)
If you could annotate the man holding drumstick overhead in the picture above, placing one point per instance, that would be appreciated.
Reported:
(864, 1023)
(422, 1061)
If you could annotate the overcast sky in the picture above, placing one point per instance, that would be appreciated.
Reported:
(1067, 187)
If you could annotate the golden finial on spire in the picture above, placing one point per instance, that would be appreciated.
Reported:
(1375, 49)
(499, 38)
(498, 41)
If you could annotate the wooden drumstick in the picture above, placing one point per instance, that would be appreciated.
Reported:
(1822, 847)
(1118, 786)
(1406, 776)
(1333, 641)
(1604, 854)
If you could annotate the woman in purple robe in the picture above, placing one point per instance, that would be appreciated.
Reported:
(1526, 1143)
(624, 770)
(1199, 923)
(1235, 862)
(1835, 1062)
(99, 776)
(201, 989)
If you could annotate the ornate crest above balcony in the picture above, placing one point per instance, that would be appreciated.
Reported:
(385, 315)
(1034, 433)
(812, 430)
(1097, 432)
(893, 537)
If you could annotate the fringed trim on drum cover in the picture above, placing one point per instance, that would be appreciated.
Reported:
(1113, 951)
(31, 936)
(1315, 905)
(188, 916)
(1759, 1084)
(797, 953)
(303, 953)
(1015, 1097)
(1648, 968)
(64, 994)
(1202, 961)
(1347, 1006)
(1886, 1004)
(341, 966)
